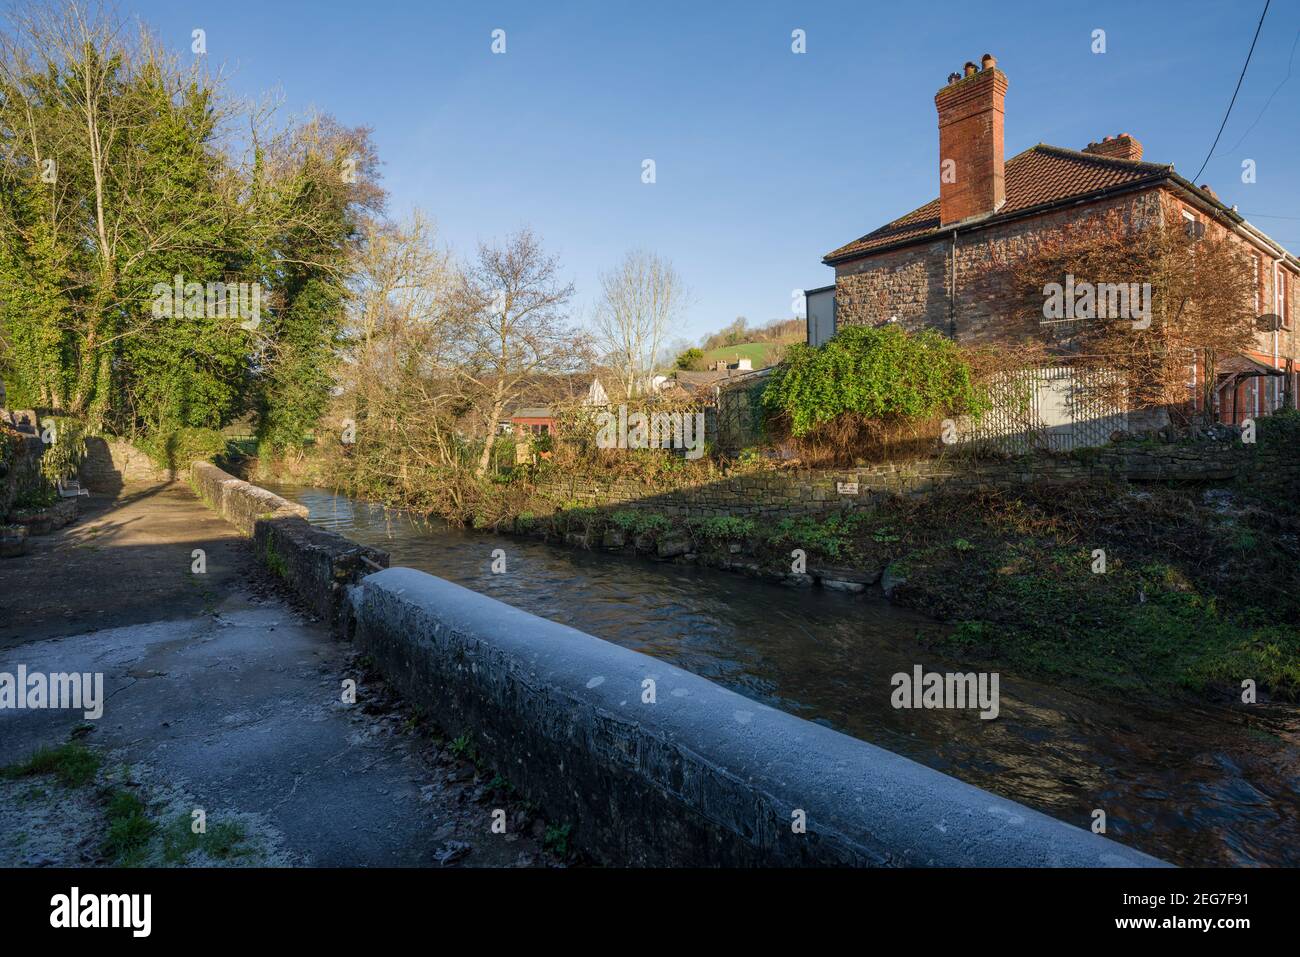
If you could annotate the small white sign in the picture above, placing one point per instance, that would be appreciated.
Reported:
(847, 488)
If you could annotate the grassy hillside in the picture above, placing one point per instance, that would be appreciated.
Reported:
(756, 352)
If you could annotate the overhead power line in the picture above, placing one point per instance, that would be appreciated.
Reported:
(1258, 27)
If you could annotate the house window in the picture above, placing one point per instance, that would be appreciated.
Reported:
(1189, 223)
(1259, 279)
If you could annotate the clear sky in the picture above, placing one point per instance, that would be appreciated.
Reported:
(765, 159)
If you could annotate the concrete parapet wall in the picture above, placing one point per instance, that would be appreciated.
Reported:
(703, 776)
(240, 503)
(317, 564)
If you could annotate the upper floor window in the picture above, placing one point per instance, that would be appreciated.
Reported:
(1259, 279)
(1190, 223)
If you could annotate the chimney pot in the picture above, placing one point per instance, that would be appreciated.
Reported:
(953, 78)
(971, 68)
(988, 61)
(1123, 146)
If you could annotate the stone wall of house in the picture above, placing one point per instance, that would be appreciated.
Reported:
(785, 492)
(911, 284)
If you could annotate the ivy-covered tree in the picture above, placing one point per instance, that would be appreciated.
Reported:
(118, 184)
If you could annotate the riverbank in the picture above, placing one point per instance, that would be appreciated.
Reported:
(1111, 588)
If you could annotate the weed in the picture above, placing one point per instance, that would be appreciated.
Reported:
(556, 839)
(129, 829)
(73, 764)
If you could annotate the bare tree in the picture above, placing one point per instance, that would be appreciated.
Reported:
(400, 298)
(641, 300)
(396, 383)
(512, 306)
(1199, 308)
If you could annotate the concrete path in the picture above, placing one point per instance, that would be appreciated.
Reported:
(220, 696)
(125, 561)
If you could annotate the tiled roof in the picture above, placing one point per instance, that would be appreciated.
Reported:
(1040, 175)
(532, 412)
(694, 381)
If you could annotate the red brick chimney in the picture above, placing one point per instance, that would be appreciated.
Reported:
(1117, 147)
(970, 135)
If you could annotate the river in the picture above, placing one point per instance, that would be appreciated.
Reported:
(1194, 785)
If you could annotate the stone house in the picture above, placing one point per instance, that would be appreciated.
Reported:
(934, 267)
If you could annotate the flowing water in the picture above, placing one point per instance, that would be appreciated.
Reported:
(1192, 785)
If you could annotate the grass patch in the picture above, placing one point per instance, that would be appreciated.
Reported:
(223, 841)
(1186, 603)
(129, 829)
(274, 561)
(72, 764)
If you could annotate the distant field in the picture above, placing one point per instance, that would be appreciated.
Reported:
(756, 352)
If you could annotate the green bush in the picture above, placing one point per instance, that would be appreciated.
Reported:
(690, 359)
(723, 528)
(177, 450)
(638, 522)
(879, 373)
(36, 499)
(832, 536)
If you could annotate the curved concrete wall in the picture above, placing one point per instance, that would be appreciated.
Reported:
(703, 776)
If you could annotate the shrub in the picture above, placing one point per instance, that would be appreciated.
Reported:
(724, 528)
(36, 499)
(638, 522)
(690, 359)
(879, 373)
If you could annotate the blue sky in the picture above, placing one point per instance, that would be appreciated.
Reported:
(765, 159)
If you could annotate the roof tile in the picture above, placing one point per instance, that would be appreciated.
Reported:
(1041, 174)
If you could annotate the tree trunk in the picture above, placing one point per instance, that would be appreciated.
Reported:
(485, 458)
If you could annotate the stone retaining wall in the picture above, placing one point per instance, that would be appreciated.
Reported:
(782, 492)
(23, 473)
(317, 564)
(110, 463)
(702, 776)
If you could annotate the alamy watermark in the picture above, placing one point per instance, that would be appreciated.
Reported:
(654, 430)
(922, 689)
(1103, 300)
(36, 690)
(209, 300)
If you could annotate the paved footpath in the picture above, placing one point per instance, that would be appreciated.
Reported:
(220, 695)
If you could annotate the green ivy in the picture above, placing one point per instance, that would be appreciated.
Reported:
(179, 448)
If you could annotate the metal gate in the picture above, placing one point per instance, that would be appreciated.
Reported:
(1056, 408)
